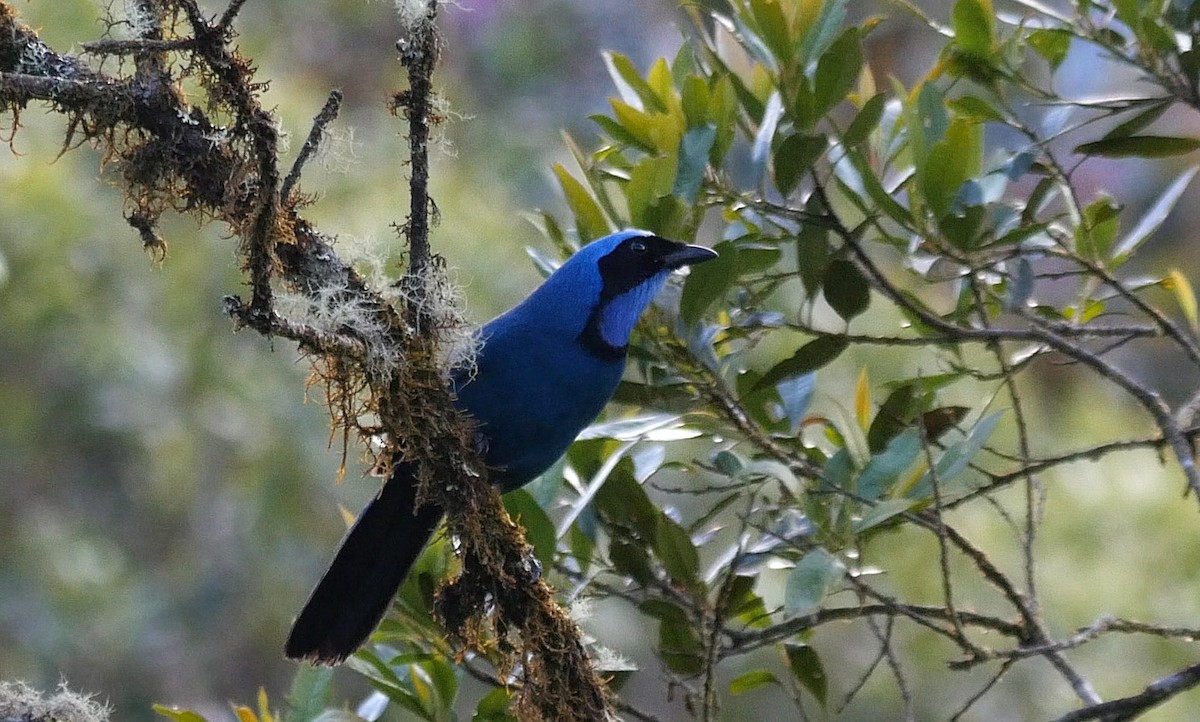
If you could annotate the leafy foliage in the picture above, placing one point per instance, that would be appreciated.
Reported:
(932, 241)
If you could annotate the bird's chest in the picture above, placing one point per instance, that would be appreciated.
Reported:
(532, 398)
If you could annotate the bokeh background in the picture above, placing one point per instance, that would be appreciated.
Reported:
(167, 486)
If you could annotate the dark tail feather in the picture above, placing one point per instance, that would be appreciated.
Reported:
(372, 562)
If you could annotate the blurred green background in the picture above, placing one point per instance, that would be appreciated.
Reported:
(167, 492)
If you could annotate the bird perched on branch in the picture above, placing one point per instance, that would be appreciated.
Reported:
(544, 371)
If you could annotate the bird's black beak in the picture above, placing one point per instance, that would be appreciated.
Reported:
(686, 255)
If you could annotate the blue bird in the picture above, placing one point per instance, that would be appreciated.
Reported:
(544, 371)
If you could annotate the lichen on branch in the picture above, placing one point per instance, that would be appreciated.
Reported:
(382, 349)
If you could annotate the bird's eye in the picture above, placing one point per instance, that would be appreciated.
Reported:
(637, 247)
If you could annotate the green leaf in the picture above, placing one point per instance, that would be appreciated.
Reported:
(810, 357)
(311, 690)
(1053, 44)
(1128, 12)
(877, 192)
(708, 282)
(812, 257)
(693, 161)
(818, 29)
(674, 547)
(955, 458)
(865, 121)
(950, 163)
(975, 27)
(623, 71)
(794, 157)
(885, 467)
(650, 181)
(745, 604)
(494, 707)
(846, 289)
(837, 72)
(631, 560)
(1140, 121)
(1139, 146)
(624, 502)
(976, 108)
(179, 715)
(812, 579)
(680, 647)
(1155, 216)
(807, 669)
(1179, 285)
(895, 414)
(881, 512)
(752, 680)
(618, 133)
(773, 28)
(539, 530)
(1094, 237)
(931, 116)
(589, 219)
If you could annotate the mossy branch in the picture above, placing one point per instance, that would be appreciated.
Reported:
(378, 350)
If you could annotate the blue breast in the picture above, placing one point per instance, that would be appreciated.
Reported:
(532, 392)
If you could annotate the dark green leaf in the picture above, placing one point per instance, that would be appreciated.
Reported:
(807, 668)
(680, 647)
(837, 72)
(707, 282)
(810, 357)
(818, 31)
(865, 121)
(539, 530)
(895, 414)
(846, 289)
(745, 604)
(581, 544)
(1139, 121)
(630, 559)
(773, 28)
(1139, 146)
(663, 610)
(623, 501)
(1128, 12)
(794, 157)
(674, 547)
(812, 257)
